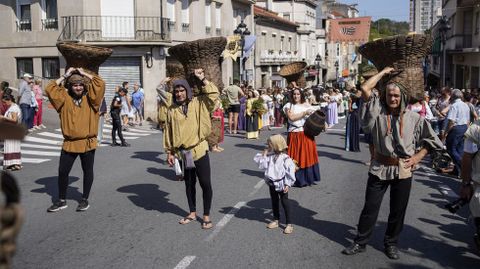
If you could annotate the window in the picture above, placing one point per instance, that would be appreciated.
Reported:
(208, 16)
(218, 16)
(171, 10)
(25, 18)
(286, 16)
(24, 65)
(477, 22)
(185, 12)
(50, 68)
(49, 15)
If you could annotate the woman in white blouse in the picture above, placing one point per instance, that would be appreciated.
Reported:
(301, 147)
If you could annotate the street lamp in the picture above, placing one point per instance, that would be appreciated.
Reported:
(444, 27)
(318, 60)
(336, 71)
(243, 31)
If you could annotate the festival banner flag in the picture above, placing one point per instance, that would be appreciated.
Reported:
(349, 30)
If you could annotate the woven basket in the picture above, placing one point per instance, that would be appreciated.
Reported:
(202, 53)
(405, 53)
(294, 72)
(84, 56)
(369, 72)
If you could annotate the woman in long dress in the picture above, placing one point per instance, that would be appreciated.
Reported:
(332, 117)
(267, 102)
(241, 115)
(352, 133)
(278, 103)
(301, 147)
(251, 117)
(12, 159)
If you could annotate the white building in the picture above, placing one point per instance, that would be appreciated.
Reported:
(424, 14)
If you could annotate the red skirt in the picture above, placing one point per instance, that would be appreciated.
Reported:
(302, 149)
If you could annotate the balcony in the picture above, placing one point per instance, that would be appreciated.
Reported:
(115, 28)
(463, 41)
(24, 25)
(185, 27)
(272, 57)
(208, 30)
(218, 31)
(172, 26)
(50, 24)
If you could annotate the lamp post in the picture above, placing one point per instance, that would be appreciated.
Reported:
(243, 31)
(318, 60)
(336, 71)
(444, 27)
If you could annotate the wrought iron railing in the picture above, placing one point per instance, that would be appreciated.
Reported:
(50, 24)
(24, 25)
(463, 41)
(218, 31)
(185, 27)
(208, 30)
(114, 28)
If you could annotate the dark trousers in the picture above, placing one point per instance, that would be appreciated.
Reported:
(399, 195)
(202, 171)
(116, 128)
(66, 162)
(27, 115)
(454, 143)
(276, 196)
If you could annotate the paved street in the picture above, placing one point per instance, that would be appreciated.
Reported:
(136, 204)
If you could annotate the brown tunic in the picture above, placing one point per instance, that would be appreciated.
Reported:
(79, 123)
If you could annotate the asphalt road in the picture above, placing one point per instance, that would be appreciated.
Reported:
(136, 203)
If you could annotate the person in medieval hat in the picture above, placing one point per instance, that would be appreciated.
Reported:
(396, 133)
(187, 127)
(76, 96)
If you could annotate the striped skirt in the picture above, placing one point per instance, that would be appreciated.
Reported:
(11, 153)
(303, 150)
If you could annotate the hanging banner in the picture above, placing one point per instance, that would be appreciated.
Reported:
(349, 30)
(248, 45)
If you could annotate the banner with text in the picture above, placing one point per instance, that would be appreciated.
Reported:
(349, 30)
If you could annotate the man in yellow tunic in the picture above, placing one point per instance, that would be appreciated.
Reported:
(186, 129)
(77, 103)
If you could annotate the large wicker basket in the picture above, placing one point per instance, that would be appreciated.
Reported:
(84, 56)
(202, 53)
(405, 53)
(294, 72)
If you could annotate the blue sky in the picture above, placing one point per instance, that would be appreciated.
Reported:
(396, 10)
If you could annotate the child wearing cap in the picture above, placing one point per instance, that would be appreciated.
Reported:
(279, 175)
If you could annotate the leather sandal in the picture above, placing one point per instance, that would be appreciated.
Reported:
(207, 225)
(186, 220)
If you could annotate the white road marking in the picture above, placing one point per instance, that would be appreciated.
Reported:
(219, 226)
(27, 145)
(133, 129)
(335, 130)
(42, 140)
(30, 160)
(40, 153)
(257, 187)
(185, 262)
(53, 135)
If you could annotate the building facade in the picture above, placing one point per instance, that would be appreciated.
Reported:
(424, 14)
(276, 46)
(140, 34)
(455, 59)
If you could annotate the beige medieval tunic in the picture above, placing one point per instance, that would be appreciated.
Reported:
(79, 123)
(190, 131)
(398, 142)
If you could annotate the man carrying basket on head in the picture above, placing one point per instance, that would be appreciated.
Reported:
(397, 133)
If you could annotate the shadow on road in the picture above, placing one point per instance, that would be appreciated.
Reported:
(335, 156)
(251, 146)
(330, 146)
(166, 173)
(260, 210)
(253, 173)
(149, 156)
(150, 197)
(50, 187)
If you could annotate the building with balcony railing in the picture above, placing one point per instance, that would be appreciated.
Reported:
(455, 59)
(140, 33)
(276, 46)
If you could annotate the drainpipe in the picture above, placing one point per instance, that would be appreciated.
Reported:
(162, 34)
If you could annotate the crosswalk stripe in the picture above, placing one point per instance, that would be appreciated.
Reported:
(126, 133)
(51, 135)
(42, 140)
(133, 129)
(40, 153)
(30, 160)
(27, 145)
